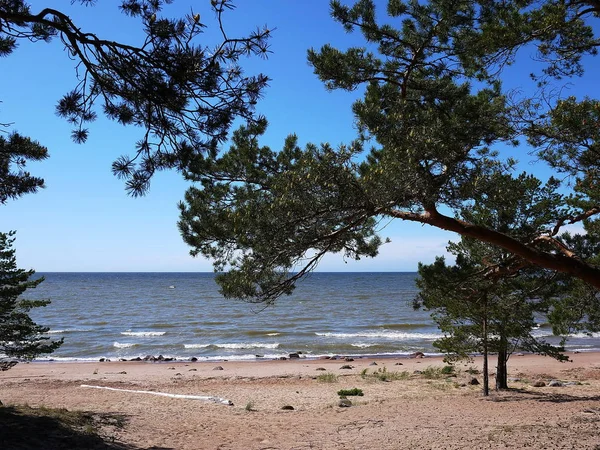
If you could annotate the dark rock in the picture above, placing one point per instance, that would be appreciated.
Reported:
(136, 359)
(149, 358)
(324, 357)
(539, 384)
(160, 358)
(171, 368)
(168, 359)
(398, 364)
(287, 408)
(294, 356)
(123, 373)
(348, 359)
(193, 359)
(344, 403)
(259, 356)
(373, 363)
(555, 383)
(218, 368)
(178, 374)
(122, 359)
(283, 358)
(193, 370)
(320, 368)
(102, 359)
(474, 382)
(418, 355)
(346, 366)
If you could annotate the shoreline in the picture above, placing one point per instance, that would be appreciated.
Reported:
(408, 403)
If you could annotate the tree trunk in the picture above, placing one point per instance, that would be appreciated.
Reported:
(502, 369)
(486, 377)
(564, 261)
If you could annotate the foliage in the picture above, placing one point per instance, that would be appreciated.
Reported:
(350, 392)
(15, 151)
(327, 378)
(431, 123)
(20, 336)
(183, 94)
(382, 374)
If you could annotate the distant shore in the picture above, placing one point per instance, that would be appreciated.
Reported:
(407, 402)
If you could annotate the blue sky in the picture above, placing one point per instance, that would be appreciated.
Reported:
(84, 220)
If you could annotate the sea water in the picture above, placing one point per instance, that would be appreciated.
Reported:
(183, 315)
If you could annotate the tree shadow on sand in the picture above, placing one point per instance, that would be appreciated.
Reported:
(25, 428)
(516, 395)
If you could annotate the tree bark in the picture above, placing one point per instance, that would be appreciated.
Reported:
(561, 262)
(486, 376)
(502, 369)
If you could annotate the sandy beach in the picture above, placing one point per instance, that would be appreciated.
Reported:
(407, 403)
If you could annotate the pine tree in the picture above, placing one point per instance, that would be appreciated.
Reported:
(20, 336)
(431, 124)
(182, 93)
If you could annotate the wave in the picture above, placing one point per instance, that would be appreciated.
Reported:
(196, 345)
(124, 344)
(67, 330)
(243, 345)
(382, 334)
(143, 333)
(262, 333)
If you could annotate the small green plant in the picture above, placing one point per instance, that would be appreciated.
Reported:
(382, 374)
(250, 406)
(350, 392)
(327, 378)
(434, 373)
(447, 370)
(364, 372)
(472, 370)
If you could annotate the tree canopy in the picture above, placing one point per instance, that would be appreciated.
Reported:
(181, 92)
(431, 126)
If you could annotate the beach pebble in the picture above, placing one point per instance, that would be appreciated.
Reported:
(218, 368)
(398, 364)
(539, 384)
(123, 373)
(348, 359)
(320, 368)
(171, 368)
(474, 382)
(555, 383)
(373, 363)
(346, 366)
(287, 408)
(344, 403)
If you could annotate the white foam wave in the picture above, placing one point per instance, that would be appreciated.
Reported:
(143, 333)
(124, 344)
(244, 345)
(396, 335)
(584, 335)
(196, 345)
(273, 334)
(362, 345)
(66, 330)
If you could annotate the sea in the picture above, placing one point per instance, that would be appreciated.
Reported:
(183, 316)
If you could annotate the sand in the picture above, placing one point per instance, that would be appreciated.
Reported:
(410, 412)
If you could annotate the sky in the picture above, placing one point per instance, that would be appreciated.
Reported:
(84, 220)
